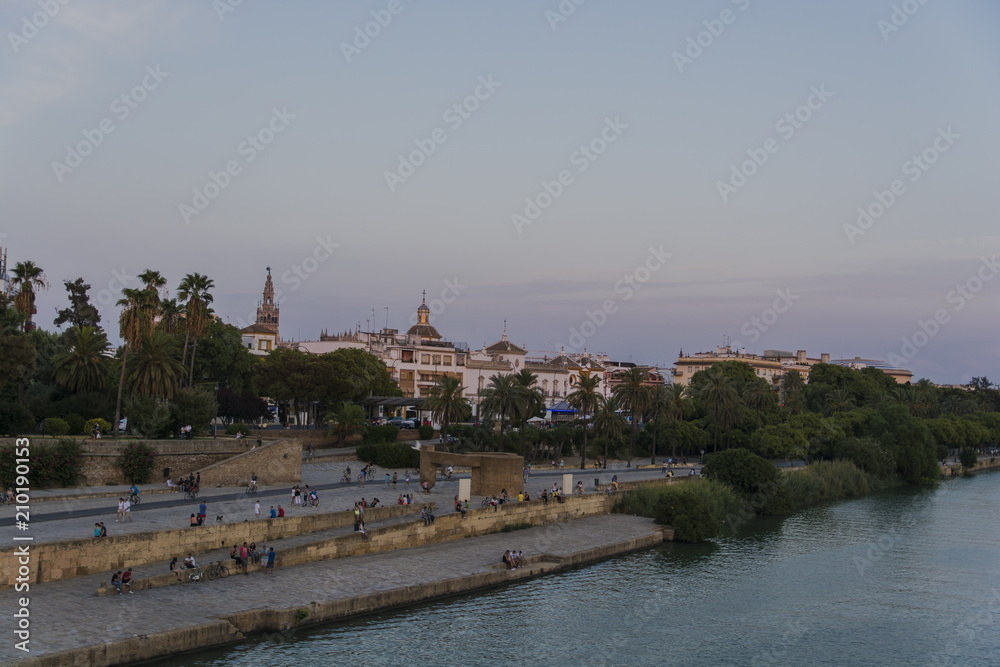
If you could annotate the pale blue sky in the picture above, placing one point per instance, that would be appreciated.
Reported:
(323, 176)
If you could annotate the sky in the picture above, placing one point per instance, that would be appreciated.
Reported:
(633, 178)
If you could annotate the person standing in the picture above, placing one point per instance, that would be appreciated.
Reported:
(202, 512)
(126, 509)
(244, 555)
(406, 479)
(120, 514)
(270, 562)
(395, 478)
(256, 510)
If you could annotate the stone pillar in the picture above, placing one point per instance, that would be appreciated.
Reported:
(464, 489)
(567, 484)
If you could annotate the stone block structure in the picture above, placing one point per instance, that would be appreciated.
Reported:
(490, 472)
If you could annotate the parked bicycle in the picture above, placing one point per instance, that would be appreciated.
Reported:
(217, 571)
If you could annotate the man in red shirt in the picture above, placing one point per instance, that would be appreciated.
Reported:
(281, 511)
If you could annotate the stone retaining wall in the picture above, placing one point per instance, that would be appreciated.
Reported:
(276, 462)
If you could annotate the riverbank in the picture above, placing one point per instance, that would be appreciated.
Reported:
(165, 621)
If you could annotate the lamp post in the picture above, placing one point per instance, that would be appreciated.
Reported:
(215, 422)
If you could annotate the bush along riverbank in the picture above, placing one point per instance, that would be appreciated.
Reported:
(739, 485)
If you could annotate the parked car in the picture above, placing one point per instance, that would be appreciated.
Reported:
(397, 421)
(410, 423)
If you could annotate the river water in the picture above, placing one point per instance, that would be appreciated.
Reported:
(899, 578)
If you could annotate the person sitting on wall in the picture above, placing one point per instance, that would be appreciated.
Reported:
(194, 520)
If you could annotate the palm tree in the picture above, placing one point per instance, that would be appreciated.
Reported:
(134, 324)
(792, 385)
(759, 396)
(532, 400)
(153, 282)
(344, 420)
(720, 398)
(678, 397)
(501, 399)
(447, 404)
(83, 365)
(659, 405)
(27, 277)
(154, 369)
(632, 392)
(609, 423)
(194, 291)
(585, 400)
(840, 400)
(171, 316)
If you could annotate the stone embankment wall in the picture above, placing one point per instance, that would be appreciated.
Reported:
(73, 558)
(274, 463)
(955, 469)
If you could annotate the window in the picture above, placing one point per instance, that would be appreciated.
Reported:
(425, 358)
(437, 360)
(406, 375)
(447, 360)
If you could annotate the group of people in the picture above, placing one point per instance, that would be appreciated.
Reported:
(394, 479)
(100, 530)
(192, 483)
(199, 518)
(122, 580)
(309, 494)
(359, 518)
(513, 559)
(405, 499)
(243, 555)
(124, 509)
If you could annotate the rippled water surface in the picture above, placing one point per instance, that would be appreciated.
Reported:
(899, 578)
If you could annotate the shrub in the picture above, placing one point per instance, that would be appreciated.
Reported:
(15, 419)
(388, 455)
(149, 417)
(106, 428)
(55, 426)
(867, 454)
(696, 510)
(751, 475)
(137, 462)
(825, 482)
(76, 423)
(49, 465)
(968, 457)
(239, 427)
(384, 433)
(426, 432)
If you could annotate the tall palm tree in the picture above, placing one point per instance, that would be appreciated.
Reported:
(154, 369)
(659, 405)
(720, 398)
(759, 396)
(609, 423)
(501, 399)
(154, 283)
(134, 324)
(83, 365)
(194, 292)
(27, 278)
(532, 400)
(447, 404)
(792, 385)
(344, 420)
(840, 400)
(632, 392)
(586, 400)
(678, 397)
(171, 316)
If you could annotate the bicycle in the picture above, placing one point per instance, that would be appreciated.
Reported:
(370, 473)
(134, 499)
(217, 570)
(196, 573)
(191, 494)
(346, 478)
(251, 489)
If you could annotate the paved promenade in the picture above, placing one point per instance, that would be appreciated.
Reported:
(67, 614)
(55, 520)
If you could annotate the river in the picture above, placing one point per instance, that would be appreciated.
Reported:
(898, 578)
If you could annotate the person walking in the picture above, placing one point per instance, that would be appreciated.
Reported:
(120, 514)
(406, 479)
(126, 509)
(395, 478)
(256, 510)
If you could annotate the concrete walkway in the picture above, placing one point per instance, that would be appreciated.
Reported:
(67, 614)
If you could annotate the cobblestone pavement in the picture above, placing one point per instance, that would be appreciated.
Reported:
(66, 614)
(170, 511)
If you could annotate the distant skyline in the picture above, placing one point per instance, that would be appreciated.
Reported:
(660, 175)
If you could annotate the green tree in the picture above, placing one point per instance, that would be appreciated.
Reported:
(532, 400)
(968, 458)
(27, 278)
(609, 423)
(752, 476)
(448, 404)
(195, 407)
(154, 369)
(659, 407)
(83, 365)
(194, 292)
(81, 313)
(792, 386)
(501, 399)
(134, 324)
(634, 397)
(759, 396)
(346, 419)
(585, 400)
(720, 398)
(678, 397)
